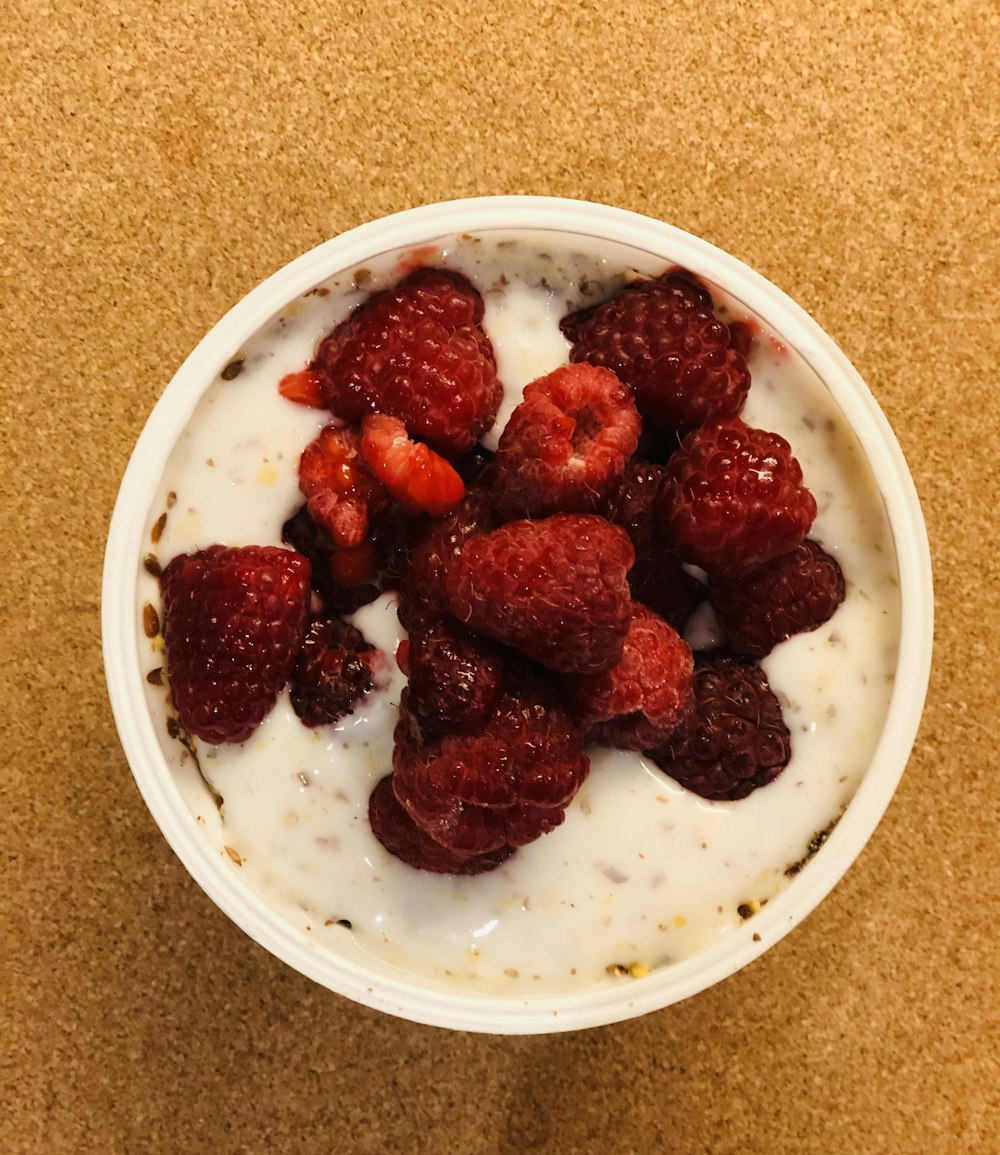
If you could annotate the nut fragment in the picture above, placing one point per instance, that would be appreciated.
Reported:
(150, 620)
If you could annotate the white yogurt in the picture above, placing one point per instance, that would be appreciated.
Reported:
(642, 873)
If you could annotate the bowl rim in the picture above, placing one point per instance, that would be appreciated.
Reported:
(464, 1010)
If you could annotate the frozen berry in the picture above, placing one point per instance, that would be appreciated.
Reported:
(734, 497)
(658, 578)
(791, 594)
(504, 786)
(234, 622)
(400, 835)
(418, 352)
(734, 738)
(314, 543)
(341, 492)
(454, 678)
(566, 444)
(556, 589)
(336, 669)
(639, 702)
(410, 471)
(662, 338)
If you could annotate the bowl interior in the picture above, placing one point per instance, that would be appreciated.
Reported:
(272, 331)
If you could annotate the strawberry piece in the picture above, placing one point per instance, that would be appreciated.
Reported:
(639, 702)
(234, 622)
(555, 589)
(304, 388)
(662, 338)
(410, 471)
(734, 497)
(566, 444)
(417, 352)
(342, 494)
(401, 836)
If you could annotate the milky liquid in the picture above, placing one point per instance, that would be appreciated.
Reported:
(642, 873)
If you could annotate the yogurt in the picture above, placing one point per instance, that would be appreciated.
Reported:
(642, 873)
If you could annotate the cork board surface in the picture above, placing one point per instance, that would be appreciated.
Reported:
(158, 161)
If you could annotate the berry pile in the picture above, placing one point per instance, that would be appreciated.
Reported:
(545, 589)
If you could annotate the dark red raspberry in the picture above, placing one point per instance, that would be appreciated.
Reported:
(234, 622)
(505, 786)
(417, 352)
(421, 589)
(454, 679)
(314, 543)
(733, 740)
(658, 578)
(342, 493)
(336, 669)
(639, 702)
(556, 589)
(662, 338)
(400, 835)
(734, 497)
(790, 594)
(566, 444)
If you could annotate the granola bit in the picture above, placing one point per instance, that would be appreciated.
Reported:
(150, 620)
(173, 727)
(233, 369)
(158, 527)
(171, 499)
(748, 909)
(510, 972)
(618, 970)
(812, 848)
(151, 564)
(638, 970)
(756, 937)
(155, 677)
(234, 855)
(361, 277)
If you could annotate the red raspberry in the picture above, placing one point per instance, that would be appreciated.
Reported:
(304, 388)
(335, 671)
(412, 473)
(417, 352)
(234, 622)
(556, 589)
(421, 591)
(790, 594)
(401, 836)
(566, 444)
(454, 679)
(342, 494)
(505, 786)
(733, 740)
(664, 341)
(657, 579)
(734, 497)
(639, 702)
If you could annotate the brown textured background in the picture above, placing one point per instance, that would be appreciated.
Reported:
(158, 160)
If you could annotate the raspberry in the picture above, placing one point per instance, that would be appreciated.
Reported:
(555, 589)
(234, 622)
(314, 543)
(566, 444)
(505, 786)
(733, 740)
(342, 494)
(664, 341)
(734, 497)
(335, 670)
(304, 388)
(417, 352)
(657, 579)
(412, 473)
(639, 702)
(454, 679)
(421, 592)
(400, 835)
(791, 594)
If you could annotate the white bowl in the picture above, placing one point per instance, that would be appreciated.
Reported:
(178, 799)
